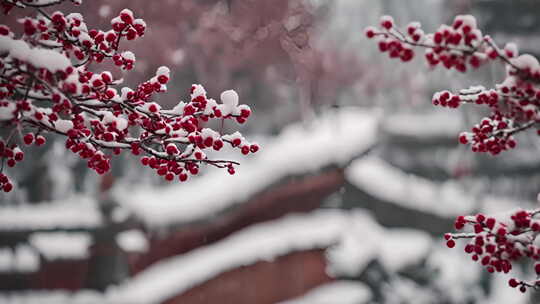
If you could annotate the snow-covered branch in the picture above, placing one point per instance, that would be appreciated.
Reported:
(494, 241)
(514, 103)
(46, 87)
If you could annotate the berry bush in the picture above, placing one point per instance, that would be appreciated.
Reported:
(49, 85)
(513, 106)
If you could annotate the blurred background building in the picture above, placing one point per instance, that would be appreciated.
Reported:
(357, 179)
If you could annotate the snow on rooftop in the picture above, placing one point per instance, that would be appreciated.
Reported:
(388, 183)
(339, 292)
(456, 272)
(425, 125)
(61, 245)
(52, 297)
(394, 248)
(334, 138)
(19, 259)
(77, 211)
(132, 240)
(403, 247)
(267, 241)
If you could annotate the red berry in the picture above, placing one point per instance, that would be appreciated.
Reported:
(106, 77)
(7, 187)
(370, 33)
(198, 155)
(236, 142)
(209, 141)
(218, 144)
(153, 108)
(437, 37)
(19, 156)
(383, 46)
(40, 140)
(162, 170)
(478, 228)
(108, 136)
(387, 24)
(110, 37)
(97, 83)
(451, 243)
(126, 17)
(490, 223)
(480, 218)
(245, 113)
(172, 149)
(182, 177)
(245, 150)
(28, 139)
(163, 79)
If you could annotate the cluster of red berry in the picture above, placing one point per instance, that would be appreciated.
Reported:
(514, 103)
(61, 95)
(496, 244)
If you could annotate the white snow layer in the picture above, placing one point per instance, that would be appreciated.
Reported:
(448, 199)
(61, 245)
(435, 124)
(19, 259)
(265, 242)
(77, 211)
(132, 241)
(53, 297)
(335, 138)
(339, 292)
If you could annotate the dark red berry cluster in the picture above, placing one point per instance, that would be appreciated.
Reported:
(496, 244)
(63, 96)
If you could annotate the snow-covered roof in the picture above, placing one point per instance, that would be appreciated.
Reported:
(267, 241)
(132, 240)
(437, 123)
(76, 212)
(386, 182)
(339, 292)
(61, 245)
(365, 240)
(456, 271)
(335, 138)
(53, 297)
(21, 259)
